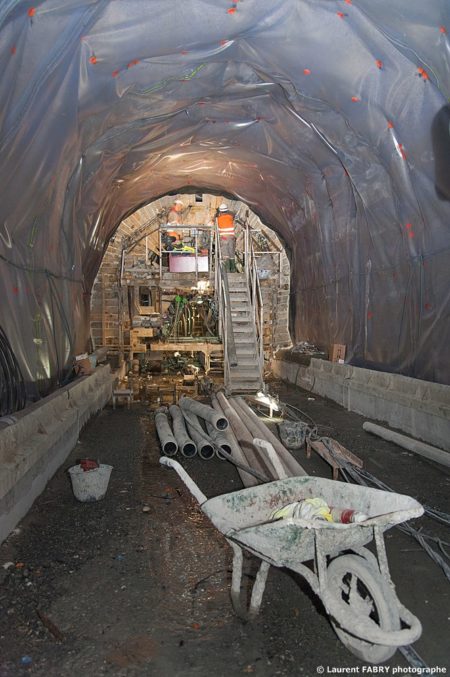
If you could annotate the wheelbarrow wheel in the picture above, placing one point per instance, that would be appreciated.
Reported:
(358, 586)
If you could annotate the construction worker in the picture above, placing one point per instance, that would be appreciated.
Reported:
(174, 218)
(227, 240)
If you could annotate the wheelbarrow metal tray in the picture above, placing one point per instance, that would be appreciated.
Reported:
(244, 516)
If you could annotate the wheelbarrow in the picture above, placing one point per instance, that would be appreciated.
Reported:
(353, 584)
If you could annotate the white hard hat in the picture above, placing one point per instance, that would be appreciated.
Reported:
(223, 207)
(178, 202)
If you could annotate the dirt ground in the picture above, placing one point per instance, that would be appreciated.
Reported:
(138, 584)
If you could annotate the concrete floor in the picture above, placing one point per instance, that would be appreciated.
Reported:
(146, 593)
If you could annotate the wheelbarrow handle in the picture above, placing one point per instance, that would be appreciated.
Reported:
(193, 488)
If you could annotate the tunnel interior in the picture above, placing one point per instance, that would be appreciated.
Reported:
(328, 119)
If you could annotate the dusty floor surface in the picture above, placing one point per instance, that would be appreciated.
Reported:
(126, 592)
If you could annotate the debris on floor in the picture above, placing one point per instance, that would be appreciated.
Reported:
(293, 433)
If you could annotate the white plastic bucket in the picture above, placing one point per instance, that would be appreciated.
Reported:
(90, 485)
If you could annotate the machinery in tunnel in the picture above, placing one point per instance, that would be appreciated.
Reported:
(336, 143)
(158, 293)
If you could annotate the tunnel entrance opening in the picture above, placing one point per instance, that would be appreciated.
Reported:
(155, 300)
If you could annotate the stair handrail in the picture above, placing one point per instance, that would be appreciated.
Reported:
(225, 321)
(257, 303)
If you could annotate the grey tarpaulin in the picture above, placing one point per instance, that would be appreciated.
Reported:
(330, 119)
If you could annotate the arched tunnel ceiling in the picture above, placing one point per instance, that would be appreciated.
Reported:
(330, 118)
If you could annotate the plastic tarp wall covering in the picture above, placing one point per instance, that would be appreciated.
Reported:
(329, 118)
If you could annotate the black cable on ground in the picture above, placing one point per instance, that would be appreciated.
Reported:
(363, 477)
(360, 476)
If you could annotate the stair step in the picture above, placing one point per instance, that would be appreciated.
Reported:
(236, 389)
(248, 376)
(244, 329)
(242, 319)
(246, 385)
(245, 372)
(240, 308)
(251, 366)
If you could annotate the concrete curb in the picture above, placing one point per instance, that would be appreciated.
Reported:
(33, 448)
(419, 408)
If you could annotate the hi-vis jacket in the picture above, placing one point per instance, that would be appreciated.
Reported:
(225, 222)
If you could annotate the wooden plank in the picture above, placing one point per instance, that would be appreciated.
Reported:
(188, 347)
(147, 332)
(336, 456)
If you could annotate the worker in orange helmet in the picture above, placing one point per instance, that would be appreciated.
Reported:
(174, 218)
(227, 239)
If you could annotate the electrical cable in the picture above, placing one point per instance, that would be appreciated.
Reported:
(359, 476)
(353, 474)
(12, 386)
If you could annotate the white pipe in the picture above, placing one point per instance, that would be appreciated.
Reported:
(219, 438)
(185, 444)
(266, 447)
(425, 450)
(242, 433)
(205, 412)
(204, 446)
(236, 451)
(168, 442)
(294, 467)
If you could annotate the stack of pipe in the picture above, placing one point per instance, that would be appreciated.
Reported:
(228, 429)
(248, 480)
(186, 444)
(247, 426)
(196, 431)
(256, 425)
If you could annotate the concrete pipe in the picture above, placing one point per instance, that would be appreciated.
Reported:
(205, 412)
(236, 451)
(243, 436)
(417, 447)
(294, 467)
(168, 442)
(219, 438)
(187, 446)
(204, 447)
(256, 433)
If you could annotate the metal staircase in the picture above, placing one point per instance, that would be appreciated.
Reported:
(241, 321)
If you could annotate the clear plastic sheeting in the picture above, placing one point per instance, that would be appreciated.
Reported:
(330, 119)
